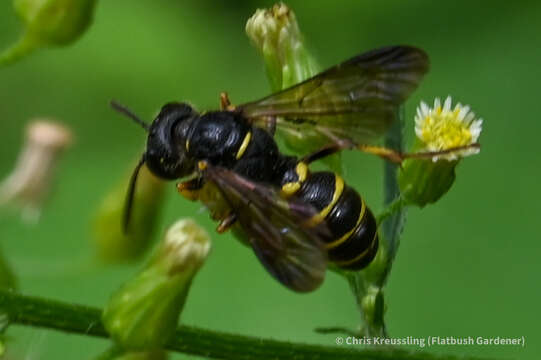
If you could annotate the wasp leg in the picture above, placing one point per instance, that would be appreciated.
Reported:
(431, 154)
(190, 189)
(321, 153)
(383, 152)
(398, 157)
(391, 155)
(226, 223)
(225, 103)
(346, 144)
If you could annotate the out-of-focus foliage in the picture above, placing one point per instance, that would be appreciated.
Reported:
(7, 278)
(113, 242)
(48, 23)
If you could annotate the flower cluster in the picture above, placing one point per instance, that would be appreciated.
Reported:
(441, 128)
(446, 135)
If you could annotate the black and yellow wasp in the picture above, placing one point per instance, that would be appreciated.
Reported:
(294, 220)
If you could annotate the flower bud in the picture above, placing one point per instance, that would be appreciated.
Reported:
(424, 182)
(143, 314)
(439, 130)
(29, 183)
(112, 243)
(275, 33)
(49, 23)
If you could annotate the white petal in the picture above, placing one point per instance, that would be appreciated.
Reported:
(437, 103)
(424, 109)
(447, 104)
(468, 119)
(463, 112)
(419, 113)
(475, 129)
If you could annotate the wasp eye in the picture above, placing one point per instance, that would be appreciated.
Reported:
(163, 166)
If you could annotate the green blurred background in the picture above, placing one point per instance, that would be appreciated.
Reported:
(467, 266)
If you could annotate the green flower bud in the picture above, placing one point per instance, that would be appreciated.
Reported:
(275, 33)
(112, 244)
(144, 313)
(49, 23)
(424, 181)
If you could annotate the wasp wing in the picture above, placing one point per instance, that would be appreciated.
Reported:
(291, 253)
(355, 100)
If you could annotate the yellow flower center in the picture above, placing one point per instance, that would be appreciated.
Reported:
(444, 129)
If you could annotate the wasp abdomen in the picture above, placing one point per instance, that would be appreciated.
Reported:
(353, 242)
(355, 230)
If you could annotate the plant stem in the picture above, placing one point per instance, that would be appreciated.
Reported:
(392, 208)
(394, 222)
(367, 285)
(86, 320)
(25, 45)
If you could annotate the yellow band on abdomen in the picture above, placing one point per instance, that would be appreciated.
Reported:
(291, 188)
(338, 189)
(346, 236)
(358, 257)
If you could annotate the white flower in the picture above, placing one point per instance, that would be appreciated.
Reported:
(442, 129)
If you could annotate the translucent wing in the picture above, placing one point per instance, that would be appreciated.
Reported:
(355, 100)
(291, 252)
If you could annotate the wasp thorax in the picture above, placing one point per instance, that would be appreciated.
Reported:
(166, 151)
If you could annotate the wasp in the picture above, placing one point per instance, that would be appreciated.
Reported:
(295, 220)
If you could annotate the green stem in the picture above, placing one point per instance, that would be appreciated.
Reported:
(367, 285)
(394, 222)
(45, 313)
(25, 45)
(395, 206)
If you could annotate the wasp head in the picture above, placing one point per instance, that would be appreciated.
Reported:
(165, 155)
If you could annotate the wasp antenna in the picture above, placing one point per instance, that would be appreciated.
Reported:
(128, 205)
(127, 112)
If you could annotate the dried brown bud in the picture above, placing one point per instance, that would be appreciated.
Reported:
(28, 184)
